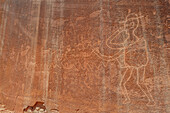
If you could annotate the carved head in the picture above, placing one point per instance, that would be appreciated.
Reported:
(131, 22)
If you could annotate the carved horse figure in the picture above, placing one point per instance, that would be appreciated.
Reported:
(133, 50)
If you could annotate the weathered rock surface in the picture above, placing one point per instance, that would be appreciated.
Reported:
(84, 56)
(4, 110)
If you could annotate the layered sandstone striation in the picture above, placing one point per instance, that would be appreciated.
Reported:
(84, 56)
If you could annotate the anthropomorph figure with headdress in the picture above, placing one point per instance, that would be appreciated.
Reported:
(133, 54)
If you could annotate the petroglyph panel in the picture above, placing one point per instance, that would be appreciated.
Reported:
(84, 56)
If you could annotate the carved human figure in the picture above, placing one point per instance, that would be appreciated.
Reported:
(133, 53)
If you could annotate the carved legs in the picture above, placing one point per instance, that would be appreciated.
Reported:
(140, 83)
(143, 87)
(125, 78)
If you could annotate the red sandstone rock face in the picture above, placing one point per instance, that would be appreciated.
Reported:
(84, 56)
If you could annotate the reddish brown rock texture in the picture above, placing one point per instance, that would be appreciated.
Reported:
(85, 56)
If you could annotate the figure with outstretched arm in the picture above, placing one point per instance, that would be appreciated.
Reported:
(135, 55)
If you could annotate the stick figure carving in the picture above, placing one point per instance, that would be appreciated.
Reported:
(133, 51)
